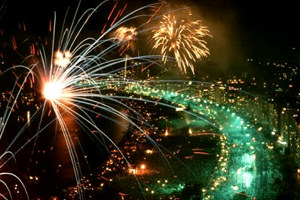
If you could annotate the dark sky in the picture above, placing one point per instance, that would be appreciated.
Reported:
(268, 16)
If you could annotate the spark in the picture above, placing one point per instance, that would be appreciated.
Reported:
(7, 154)
(70, 82)
(125, 34)
(53, 91)
(11, 175)
(125, 37)
(184, 39)
(69, 74)
(62, 59)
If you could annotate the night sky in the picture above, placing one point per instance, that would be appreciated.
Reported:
(259, 29)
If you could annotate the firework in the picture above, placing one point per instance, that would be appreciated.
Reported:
(62, 59)
(125, 37)
(183, 39)
(72, 76)
(7, 191)
(75, 77)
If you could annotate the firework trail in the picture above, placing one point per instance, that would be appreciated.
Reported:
(183, 39)
(74, 79)
(71, 83)
(6, 191)
(7, 155)
(69, 80)
(3, 175)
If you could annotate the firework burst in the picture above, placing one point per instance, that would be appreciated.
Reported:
(125, 37)
(183, 39)
(72, 76)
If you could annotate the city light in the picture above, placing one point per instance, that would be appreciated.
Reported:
(143, 166)
(235, 187)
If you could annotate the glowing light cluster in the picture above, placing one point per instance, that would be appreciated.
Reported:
(62, 59)
(53, 90)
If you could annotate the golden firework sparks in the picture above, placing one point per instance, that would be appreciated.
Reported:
(125, 33)
(183, 38)
(125, 36)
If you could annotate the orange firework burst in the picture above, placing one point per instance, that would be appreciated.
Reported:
(55, 88)
(183, 38)
(62, 59)
(125, 36)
